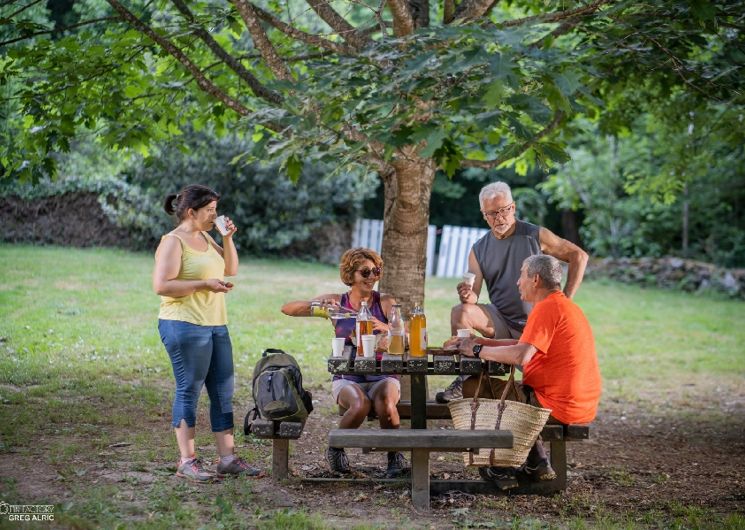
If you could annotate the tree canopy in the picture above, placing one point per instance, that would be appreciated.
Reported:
(402, 87)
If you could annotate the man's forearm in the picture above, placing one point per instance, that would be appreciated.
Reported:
(575, 272)
(513, 354)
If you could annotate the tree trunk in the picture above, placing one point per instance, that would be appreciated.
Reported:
(570, 227)
(684, 223)
(405, 219)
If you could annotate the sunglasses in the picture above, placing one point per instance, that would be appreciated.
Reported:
(375, 271)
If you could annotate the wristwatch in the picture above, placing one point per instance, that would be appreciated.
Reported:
(477, 350)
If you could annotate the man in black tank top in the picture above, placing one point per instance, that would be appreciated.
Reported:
(496, 259)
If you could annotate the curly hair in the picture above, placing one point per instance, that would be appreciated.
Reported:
(351, 260)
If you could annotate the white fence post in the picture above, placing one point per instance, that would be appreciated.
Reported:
(455, 245)
(369, 233)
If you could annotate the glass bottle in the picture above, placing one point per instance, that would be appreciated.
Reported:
(317, 309)
(364, 326)
(418, 333)
(333, 312)
(396, 331)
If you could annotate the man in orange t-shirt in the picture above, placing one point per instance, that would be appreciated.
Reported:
(556, 351)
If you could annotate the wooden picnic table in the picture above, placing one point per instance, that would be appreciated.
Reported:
(418, 440)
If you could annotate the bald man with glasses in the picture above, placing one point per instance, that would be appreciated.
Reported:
(496, 259)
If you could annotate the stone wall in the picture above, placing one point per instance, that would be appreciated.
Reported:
(672, 273)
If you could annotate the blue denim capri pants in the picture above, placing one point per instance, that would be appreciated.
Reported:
(201, 356)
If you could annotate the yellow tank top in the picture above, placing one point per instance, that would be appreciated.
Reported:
(202, 307)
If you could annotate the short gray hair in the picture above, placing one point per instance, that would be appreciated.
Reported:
(492, 190)
(548, 269)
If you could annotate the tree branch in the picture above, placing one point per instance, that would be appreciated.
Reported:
(448, 11)
(338, 23)
(314, 40)
(202, 81)
(491, 164)
(472, 9)
(64, 28)
(678, 67)
(261, 41)
(24, 8)
(255, 85)
(557, 16)
(403, 23)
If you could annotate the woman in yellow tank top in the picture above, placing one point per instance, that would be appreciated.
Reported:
(189, 275)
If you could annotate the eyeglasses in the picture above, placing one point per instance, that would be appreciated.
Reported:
(366, 272)
(502, 212)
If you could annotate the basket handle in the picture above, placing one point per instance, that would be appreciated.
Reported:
(500, 407)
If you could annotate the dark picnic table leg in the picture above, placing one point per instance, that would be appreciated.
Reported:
(419, 457)
(418, 401)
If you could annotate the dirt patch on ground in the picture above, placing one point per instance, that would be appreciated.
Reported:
(646, 462)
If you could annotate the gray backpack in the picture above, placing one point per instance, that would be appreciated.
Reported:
(277, 389)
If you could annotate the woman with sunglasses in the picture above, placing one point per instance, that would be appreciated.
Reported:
(360, 269)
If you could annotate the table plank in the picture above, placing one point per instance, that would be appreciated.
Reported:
(392, 364)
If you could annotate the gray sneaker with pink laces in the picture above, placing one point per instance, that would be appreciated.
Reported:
(195, 471)
(237, 466)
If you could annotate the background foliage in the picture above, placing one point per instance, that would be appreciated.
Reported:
(650, 96)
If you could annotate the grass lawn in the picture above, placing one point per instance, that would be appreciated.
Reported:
(81, 362)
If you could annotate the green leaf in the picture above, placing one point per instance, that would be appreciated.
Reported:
(434, 142)
(294, 167)
(494, 93)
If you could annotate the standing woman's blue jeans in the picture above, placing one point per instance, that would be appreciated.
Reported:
(200, 355)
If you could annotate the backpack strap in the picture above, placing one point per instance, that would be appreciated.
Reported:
(272, 350)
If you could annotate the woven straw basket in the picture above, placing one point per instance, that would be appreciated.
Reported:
(525, 422)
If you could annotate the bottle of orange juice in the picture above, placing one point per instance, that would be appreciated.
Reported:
(418, 333)
(396, 332)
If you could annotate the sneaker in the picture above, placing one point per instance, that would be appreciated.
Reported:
(396, 465)
(237, 466)
(452, 392)
(195, 471)
(337, 460)
(540, 472)
(505, 478)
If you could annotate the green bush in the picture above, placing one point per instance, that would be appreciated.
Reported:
(273, 214)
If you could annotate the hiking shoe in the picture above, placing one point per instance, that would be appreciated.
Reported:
(452, 392)
(505, 478)
(237, 467)
(195, 471)
(540, 472)
(396, 465)
(337, 460)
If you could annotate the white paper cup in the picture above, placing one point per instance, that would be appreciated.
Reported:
(337, 346)
(368, 345)
(221, 225)
(464, 332)
(469, 278)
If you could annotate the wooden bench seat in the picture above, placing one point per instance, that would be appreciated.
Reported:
(554, 435)
(420, 442)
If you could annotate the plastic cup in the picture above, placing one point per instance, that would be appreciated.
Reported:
(221, 225)
(368, 345)
(469, 278)
(337, 346)
(464, 332)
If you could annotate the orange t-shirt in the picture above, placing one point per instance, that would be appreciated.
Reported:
(564, 372)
